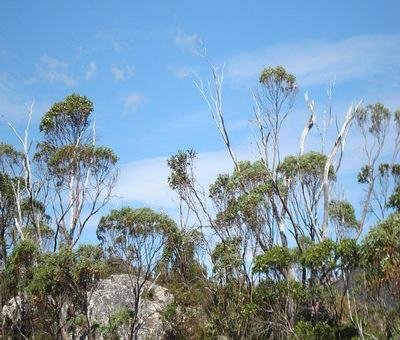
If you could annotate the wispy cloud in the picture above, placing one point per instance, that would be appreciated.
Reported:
(14, 105)
(145, 180)
(134, 100)
(53, 69)
(118, 73)
(180, 72)
(190, 42)
(91, 71)
(315, 62)
(116, 45)
(122, 73)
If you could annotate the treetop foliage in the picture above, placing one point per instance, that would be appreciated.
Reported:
(70, 116)
(280, 77)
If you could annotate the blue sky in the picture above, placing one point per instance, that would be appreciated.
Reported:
(134, 60)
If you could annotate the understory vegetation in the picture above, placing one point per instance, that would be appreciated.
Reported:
(272, 250)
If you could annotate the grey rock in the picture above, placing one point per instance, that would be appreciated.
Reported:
(115, 293)
(112, 295)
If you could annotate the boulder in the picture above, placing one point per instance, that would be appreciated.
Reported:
(111, 296)
(115, 293)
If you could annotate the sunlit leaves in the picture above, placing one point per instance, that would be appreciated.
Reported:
(70, 114)
(277, 258)
(180, 166)
(381, 253)
(308, 167)
(342, 214)
(278, 76)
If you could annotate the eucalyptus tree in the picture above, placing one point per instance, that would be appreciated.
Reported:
(22, 215)
(381, 265)
(13, 191)
(343, 218)
(137, 237)
(274, 100)
(80, 174)
(52, 291)
(30, 191)
(381, 173)
(65, 180)
(275, 200)
(303, 178)
(8, 211)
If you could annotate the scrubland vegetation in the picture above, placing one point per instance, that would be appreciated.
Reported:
(268, 251)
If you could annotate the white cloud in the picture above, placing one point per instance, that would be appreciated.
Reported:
(181, 72)
(14, 106)
(122, 73)
(190, 42)
(116, 45)
(315, 62)
(53, 69)
(91, 71)
(118, 73)
(146, 180)
(129, 70)
(133, 101)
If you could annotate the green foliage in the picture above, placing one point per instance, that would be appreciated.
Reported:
(348, 251)
(319, 289)
(179, 266)
(307, 331)
(312, 164)
(364, 175)
(226, 257)
(394, 199)
(180, 166)
(99, 159)
(180, 325)
(242, 196)
(272, 299)
(9, 156)
(67, 272)
(227, 315)
(8, 211)
(49, 282)
(52, 275)
(319, 255)
(289, 167)
(342, 214)
(277, 258)
(46, 231)
(89, 266)
(79, 170)
(74, 110)
(309, 168)
(278, 75)
(20, 266)
(395, 168)
(118, 319)
(6, 189)
(130, 222)
(381, 254)
(374, 117)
